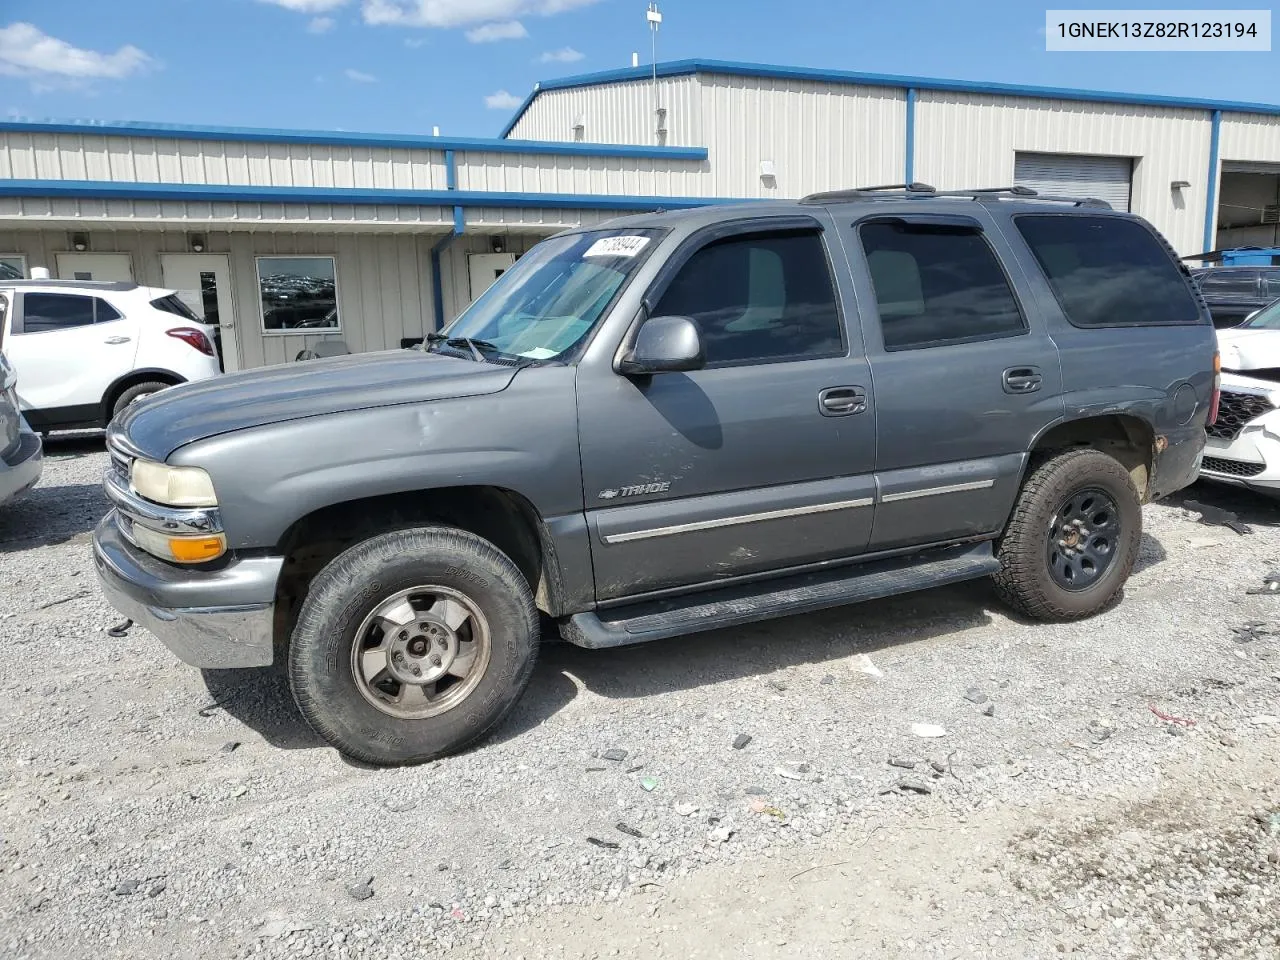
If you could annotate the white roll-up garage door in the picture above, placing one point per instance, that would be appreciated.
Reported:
(1076, 175)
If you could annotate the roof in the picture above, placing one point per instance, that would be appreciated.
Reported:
(682, 68)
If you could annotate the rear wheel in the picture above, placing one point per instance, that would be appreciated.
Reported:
(136, 393)
(412, 645)
(1073, 538)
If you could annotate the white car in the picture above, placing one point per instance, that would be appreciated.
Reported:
(84, 350)
(1243, 447)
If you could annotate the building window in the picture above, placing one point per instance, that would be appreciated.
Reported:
(299, 294)
(936, 285)
(758, 299)
(13, 266)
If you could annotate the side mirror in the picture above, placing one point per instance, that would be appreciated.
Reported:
(664, 345)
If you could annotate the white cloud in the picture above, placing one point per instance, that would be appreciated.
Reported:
(563, 55)
(320, 25)
(502, 101)
(26, 51)
(459, 13)
(359, 76)
(307, 6)
(503, 30)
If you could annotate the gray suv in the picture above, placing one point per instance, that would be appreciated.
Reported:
(671, 423)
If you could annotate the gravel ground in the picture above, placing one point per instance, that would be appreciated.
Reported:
(147, 809)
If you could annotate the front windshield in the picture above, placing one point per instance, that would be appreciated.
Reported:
(548, 302)
(1268, 318)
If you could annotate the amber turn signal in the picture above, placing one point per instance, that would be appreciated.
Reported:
(196, 549)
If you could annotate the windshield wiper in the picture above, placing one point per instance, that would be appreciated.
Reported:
(475, 346)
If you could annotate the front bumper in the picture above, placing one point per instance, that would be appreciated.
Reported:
(212, 619)
(20, 470)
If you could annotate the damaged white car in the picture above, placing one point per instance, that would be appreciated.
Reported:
(1243, 447)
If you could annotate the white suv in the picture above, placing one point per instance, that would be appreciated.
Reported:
(85, 350)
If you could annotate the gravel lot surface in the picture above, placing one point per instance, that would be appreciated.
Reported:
(149, 810)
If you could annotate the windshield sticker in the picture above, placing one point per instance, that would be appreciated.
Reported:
(537, 353)
(616, 247)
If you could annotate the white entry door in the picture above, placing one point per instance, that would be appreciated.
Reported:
(203, 282)
(486, 268)
(117, 267)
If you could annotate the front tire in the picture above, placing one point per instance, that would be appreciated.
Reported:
(412, 645)
(1073, 538)
(136, 393)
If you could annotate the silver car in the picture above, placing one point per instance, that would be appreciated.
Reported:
(21, 455)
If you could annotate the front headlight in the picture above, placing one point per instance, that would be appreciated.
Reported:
(172, 486)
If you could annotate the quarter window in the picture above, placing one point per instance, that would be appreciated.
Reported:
(1109, 271)
(937, 284)
(1230, 283)
(299, 294)
(42, 312)
(759, 298)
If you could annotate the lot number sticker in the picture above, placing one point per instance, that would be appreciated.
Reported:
(617, 247)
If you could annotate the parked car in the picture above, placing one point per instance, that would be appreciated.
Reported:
(86, 350)
(20, 448)
(1244, 443)
(1233, 293)
(671, 423)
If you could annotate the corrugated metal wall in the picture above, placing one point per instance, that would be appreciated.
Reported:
(1249, 136)
(969, 140)
(201, 214)
(555, 173)
(384, 280)
(617, 113)
(820, 136)
(145, 160)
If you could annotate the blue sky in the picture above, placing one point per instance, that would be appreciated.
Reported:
(406, 65)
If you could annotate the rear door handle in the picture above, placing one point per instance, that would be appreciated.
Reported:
(842, 401)
(117, 340)
(1022, 380)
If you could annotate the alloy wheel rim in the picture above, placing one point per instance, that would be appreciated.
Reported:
(421, 652)
(1084, 535)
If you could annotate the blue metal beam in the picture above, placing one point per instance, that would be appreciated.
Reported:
(910, 165)
(1211, 192)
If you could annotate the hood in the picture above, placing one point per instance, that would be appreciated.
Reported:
(1245, 349)
(184, 414)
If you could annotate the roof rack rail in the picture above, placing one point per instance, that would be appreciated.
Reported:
(861, 193)
(922, 191)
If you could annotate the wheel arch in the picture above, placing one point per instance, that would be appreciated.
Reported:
(504, 517)
(132, 379)
(1127, 437)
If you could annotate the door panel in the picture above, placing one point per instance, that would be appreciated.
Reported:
(484, 268)
(722, 473)
(68, 369)
(963, 384)
(203, 282)
(96, 266)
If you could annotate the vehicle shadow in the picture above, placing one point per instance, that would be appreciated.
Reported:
(260, 698)
(1150, 553)
(720, 656)
(48, 515)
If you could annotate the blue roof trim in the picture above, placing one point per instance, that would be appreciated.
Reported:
(233, 193)
(166, 131)
(515, 117)
(681, 68)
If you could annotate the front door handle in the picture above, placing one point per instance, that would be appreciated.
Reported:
(1022, 380)
(117, 340)
(842, 401)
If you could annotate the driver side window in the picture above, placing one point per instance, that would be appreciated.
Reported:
(758, 299)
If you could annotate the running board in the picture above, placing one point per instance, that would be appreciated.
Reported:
(799, 593)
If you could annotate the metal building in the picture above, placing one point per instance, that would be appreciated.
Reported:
(286, 237)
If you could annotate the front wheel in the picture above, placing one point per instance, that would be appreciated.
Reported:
(412, 645)
(136, 393)
(1073, 538)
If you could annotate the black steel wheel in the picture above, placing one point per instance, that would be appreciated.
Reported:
(1082, 539)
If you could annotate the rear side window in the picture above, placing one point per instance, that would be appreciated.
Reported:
(171, 304)
(937, 284)
(1229, 283)
(759, 298)
(1107, 271)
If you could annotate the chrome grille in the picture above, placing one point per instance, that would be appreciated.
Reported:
(1232, 468)
(1235, 410)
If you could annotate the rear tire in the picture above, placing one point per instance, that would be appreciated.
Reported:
(412, 645)
(1073, 538)
(135, 393)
